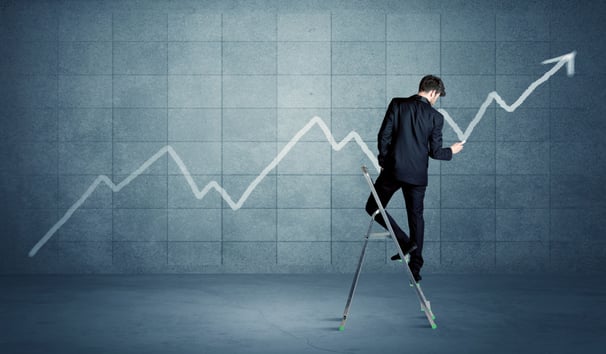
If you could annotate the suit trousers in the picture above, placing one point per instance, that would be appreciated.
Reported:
(386, 185)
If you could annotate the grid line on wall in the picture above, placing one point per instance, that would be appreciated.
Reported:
(167, 90)
(112, 135)
(222, 141)
(550, 134)
(440, 164)
(331, 128)
(495, 138)
(277, 190)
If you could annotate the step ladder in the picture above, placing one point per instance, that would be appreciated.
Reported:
(425, 305)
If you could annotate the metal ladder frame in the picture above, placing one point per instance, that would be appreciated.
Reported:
(425, 305)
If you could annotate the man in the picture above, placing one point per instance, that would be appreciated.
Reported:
(411, 133)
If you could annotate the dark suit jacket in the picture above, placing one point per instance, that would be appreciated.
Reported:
(411, 133)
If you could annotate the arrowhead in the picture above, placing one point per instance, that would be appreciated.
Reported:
(567, 59)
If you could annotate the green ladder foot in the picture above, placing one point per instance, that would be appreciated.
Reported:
(434, 326)
(341, 328)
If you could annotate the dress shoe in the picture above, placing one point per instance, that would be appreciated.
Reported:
(406, 249)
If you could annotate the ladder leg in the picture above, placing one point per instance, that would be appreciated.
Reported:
(424, 303)
(413, 284)
(354, 283)
(425, 306)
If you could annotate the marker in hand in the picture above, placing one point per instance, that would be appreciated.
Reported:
(457, 147)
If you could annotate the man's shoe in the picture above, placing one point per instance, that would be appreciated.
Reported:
(409, 247)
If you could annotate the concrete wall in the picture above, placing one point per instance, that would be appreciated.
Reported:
(98, 87)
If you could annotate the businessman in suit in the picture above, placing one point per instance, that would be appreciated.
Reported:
(411, 133)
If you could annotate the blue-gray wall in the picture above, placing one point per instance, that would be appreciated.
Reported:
(93, 88)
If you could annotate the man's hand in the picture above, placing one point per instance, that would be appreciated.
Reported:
(457, 147)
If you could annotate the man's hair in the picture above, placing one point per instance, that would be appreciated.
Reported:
(431, 82)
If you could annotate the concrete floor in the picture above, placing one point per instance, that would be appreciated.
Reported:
(300, 314)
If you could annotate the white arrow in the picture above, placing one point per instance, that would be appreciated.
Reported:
(567, 59)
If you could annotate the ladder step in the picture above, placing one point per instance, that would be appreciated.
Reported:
(378, 235)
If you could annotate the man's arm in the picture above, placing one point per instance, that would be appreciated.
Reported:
(436, 151)
(384, 137)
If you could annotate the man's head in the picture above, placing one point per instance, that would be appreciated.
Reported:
(431, 87)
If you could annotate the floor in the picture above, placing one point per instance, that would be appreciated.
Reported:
(229, 313)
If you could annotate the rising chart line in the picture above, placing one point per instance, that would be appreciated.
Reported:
(567, 59)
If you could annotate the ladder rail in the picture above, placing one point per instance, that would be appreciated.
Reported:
(354, 283)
